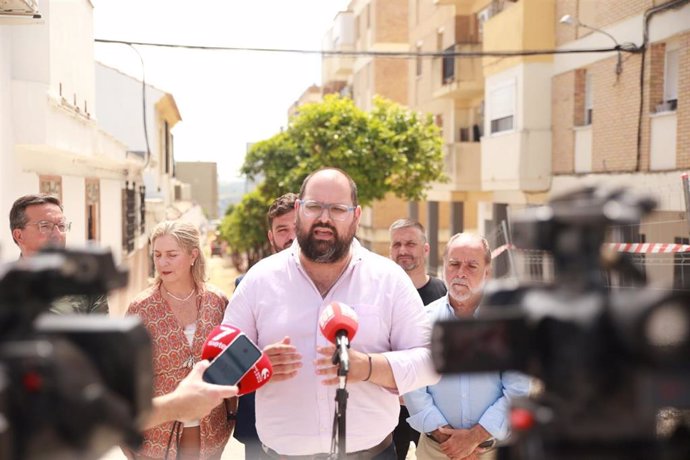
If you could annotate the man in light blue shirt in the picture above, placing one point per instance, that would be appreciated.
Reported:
(464, 414)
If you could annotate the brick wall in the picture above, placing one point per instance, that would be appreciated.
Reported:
(683, 111)
(390, 77)
(598, 13)
(616, 102)
(389, 20)
(562, 107)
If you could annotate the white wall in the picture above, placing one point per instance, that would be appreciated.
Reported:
(662, 26)
(520, 159)
(74, 204)
(119, 108)
(111, 219)
(72, 51)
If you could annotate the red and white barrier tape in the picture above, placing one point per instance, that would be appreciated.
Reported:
(634, 248)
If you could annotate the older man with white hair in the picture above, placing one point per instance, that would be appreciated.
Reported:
(463, 415)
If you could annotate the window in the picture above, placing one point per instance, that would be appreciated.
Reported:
(142, 209)
(671, 77)
(93, 201)
(438, 121)
(502, 108)
(448, 67)
(588, 100)
(52, 185)
(129, 217)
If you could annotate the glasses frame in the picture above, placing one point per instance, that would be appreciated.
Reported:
(42, 225)
(325, 207)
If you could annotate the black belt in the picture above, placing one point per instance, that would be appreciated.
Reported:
(366, 454)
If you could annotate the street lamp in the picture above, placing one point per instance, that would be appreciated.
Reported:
(568, 19)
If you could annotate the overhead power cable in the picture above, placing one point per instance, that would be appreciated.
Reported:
(628, 47)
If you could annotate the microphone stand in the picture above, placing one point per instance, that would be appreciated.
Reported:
(341, 356)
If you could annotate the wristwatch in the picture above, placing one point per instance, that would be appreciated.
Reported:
(488, 444)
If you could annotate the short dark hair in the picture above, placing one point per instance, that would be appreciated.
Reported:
(281, 206)
(353, 186)
(18, 217)
(408, 223)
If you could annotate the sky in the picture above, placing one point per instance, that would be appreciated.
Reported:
(226, 99)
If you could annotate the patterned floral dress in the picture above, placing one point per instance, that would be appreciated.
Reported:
(173, 358)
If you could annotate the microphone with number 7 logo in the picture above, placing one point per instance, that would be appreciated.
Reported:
(235, 360)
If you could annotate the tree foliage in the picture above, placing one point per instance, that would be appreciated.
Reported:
(244, 228)
(388, 149)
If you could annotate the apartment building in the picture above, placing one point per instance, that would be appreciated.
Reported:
(521, 128)
(624, 118)
(371, 25)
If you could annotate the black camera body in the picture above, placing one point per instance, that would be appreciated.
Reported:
(71, 386)
(609, 359)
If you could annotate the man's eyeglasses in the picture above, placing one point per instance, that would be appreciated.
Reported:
(338, 212)
(46, 227)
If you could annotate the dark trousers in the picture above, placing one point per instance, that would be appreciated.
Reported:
(245, 428)
(403, 434)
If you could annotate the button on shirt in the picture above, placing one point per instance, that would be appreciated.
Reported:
(276, 299)
(463, 400)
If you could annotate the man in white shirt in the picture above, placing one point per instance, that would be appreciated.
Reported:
(278, 305)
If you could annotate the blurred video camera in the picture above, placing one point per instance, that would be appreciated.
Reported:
(609, 359)
(72, 386)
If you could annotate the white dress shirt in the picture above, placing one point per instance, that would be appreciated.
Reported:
(276, 299)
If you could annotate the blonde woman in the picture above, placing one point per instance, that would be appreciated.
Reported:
(179, 311)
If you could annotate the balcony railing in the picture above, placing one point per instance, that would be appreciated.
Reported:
(459, 76)
(463, 166)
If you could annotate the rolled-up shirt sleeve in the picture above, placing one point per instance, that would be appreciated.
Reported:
(495, 418)
(424, 415)
(410, 337)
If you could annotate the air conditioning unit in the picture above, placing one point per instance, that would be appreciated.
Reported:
(19, 8)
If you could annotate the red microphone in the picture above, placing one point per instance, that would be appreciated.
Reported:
(219, 338)
(338, 323)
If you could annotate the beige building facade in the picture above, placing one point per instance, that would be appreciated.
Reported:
(202, 177)
(629, 123)
(520, 128)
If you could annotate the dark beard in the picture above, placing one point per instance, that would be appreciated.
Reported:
(322, 251)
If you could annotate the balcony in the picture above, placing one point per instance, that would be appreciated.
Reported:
(462, 165)
(340, 38)
(458, 77)
(19, 12)
(517, 160)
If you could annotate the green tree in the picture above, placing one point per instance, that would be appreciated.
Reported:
(390, 149)
(244, 228)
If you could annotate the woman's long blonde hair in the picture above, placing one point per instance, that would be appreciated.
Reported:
(188, 237)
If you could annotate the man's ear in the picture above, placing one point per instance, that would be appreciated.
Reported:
(427, 249)
(270, 237)
(17, 235)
